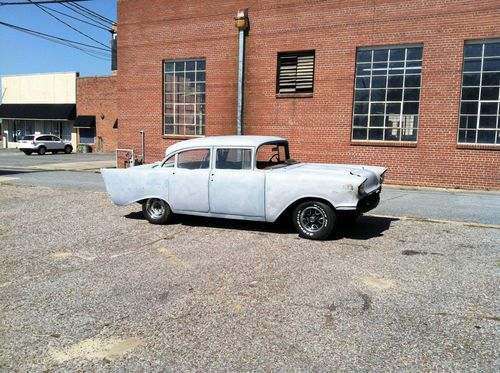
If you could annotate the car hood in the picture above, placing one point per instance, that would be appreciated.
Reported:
(371, 174)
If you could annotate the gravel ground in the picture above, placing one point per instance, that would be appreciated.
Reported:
(88, 286)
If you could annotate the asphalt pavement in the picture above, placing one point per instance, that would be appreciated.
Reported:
(89, 286)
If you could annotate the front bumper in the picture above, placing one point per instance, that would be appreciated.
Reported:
(369, 202)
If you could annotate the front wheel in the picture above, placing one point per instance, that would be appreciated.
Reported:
(68, 149)
(314, 220)
(156, 211)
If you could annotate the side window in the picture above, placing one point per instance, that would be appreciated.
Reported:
(43, 138)
(170, 162)
(234, 159)
(194, 159)
(53, 138)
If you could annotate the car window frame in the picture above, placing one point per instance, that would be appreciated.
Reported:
(252, 157)
(210, 163)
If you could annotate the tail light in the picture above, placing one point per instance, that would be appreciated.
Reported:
(33, 141)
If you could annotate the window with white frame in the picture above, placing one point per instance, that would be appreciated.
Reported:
(480, 103)
(184, 101)
(387, 93)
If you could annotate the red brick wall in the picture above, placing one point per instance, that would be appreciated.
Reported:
(97, 96)
(319, 128)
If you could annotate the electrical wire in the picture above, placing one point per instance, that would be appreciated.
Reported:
(93, 19)
(3, 3)
(76, 18)
(91, 12)
(71, 27)
(85, 48)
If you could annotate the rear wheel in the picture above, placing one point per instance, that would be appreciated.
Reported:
(156, 211)
(28, 152)
(42, 150)
(314, 220)
(68, 149)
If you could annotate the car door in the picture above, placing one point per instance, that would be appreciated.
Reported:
(235, 187)
(188, 181)
(57, 143)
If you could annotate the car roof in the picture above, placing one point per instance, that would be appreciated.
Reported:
(246, 141)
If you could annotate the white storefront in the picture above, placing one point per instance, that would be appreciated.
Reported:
(38, 103)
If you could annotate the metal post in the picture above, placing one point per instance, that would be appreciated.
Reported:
(142, 149)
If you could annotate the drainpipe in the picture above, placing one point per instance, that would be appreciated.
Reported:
(242, 26)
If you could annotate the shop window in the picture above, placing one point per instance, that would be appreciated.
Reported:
(387, 93)
(480, 101)
(87, 135)
(184, 97)
(295, 73)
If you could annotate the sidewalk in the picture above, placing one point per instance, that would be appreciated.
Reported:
(461, 205)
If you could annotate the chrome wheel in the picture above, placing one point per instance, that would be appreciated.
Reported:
(312, 219)
(155, 208)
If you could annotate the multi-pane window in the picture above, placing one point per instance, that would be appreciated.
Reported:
(479, 110)
(184, 102)
(387, 93)
(295, 72)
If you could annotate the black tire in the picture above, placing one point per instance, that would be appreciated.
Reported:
(156, 211)
(28, 152)
(314, 220)
(68, 149)
(41, 150)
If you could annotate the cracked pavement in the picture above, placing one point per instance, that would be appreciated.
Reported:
(89, 286)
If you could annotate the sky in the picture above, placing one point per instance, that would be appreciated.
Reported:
(21, 53)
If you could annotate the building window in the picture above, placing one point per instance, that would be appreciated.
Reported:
(184, 102)
(479, 109)
(295, 72)
(87, 135)
(387, 93)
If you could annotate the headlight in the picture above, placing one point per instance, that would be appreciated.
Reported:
(382, 177)
(361, 188)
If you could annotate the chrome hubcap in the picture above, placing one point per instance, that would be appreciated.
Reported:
(155, 208)
(312, 219)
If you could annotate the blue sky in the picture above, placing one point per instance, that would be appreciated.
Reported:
(21, 53)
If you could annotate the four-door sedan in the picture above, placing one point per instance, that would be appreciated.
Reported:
(246, 177)
(43, 143)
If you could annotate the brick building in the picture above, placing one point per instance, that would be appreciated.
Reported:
(96, 104)
(410, 85)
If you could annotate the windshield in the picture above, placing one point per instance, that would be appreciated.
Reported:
(28, 137)
(274, 155)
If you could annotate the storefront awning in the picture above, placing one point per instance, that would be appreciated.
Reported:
(85, 121)
(38, 111)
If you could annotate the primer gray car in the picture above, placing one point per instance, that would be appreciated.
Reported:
(250, 178)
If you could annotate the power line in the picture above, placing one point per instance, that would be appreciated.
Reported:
(91, 12)
(76, 18)
(38, 33)
(71, 27)
(2, 3)
(80, 13)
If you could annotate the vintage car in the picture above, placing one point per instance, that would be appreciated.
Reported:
(250, 178)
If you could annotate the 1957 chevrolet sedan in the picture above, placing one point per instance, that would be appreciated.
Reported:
(246, 177)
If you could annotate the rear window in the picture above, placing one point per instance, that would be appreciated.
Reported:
(28, 137)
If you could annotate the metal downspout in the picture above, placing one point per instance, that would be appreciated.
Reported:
(242, 25)
(241, 59)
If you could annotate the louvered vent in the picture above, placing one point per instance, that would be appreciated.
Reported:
(295, 72)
